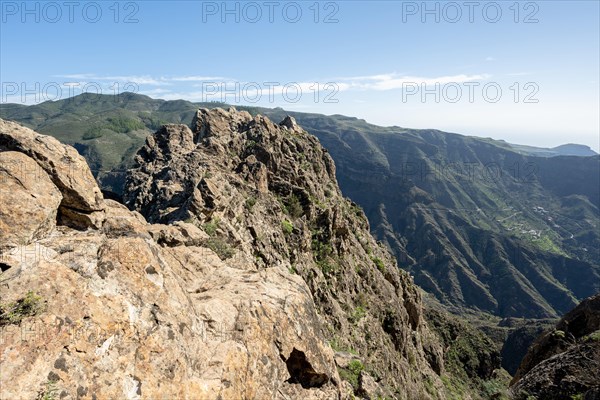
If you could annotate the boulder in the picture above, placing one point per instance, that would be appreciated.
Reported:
(28, 200)
(65, 167)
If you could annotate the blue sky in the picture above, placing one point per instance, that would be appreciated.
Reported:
(528, 75)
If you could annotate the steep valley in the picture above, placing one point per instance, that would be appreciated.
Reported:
(493, 232)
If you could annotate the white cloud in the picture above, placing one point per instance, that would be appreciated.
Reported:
(206, 88)
(394, 81)
(196, 78)
(378, 82)
(155, 92)
(136, 79)
(143, 79)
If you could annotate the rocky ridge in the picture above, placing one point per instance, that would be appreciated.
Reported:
(564, 362)
(268, 196)
(245, 274)
(477, 222)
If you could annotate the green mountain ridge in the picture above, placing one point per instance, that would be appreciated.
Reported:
(481, 225)
(569, 149)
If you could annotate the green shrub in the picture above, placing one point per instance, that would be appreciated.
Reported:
(287, 227)
(379, 264)
(559, 334)
(115, 124)
(211, 227)
(220, 247)
(321, 249)
(352, 372)
(358, 313)
(50, 392)
(322, 253)
(355, 208)
(337, 346)
(14, 313)
(124, 124)
(250, 202)
(93, 133)
(494, 389)
(292, 206)
(594, 336)
(153, 123)
(327, 267)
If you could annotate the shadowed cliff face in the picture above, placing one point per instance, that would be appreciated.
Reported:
(254, 277)
(564, 362)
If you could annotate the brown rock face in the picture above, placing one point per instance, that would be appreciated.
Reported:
(28, 200)
(254, 272)
(134, 310)
(564, 362)
(65, 167)
(267, 195)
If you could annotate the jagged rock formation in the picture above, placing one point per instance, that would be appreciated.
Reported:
(133, 310)
(481, 225)
(264, 283)
(564, 363)
(268, 194)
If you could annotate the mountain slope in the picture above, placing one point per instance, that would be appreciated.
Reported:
(480, 225)
(569, 149)
(285, 296)
(564, 362)
(267, 195)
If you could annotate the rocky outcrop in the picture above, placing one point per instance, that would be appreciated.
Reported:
(81, 198)
(479, 224)
(267, 195)
(133, 310)
(24, 183)
(252, 279)
(564, 363)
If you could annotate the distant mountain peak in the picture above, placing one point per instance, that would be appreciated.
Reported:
(568, 149)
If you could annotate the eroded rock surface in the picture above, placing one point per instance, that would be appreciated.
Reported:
(564, 363)
(239, 272)
(66, 168)
(268, 196)
(28, 200)
(133, 310)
